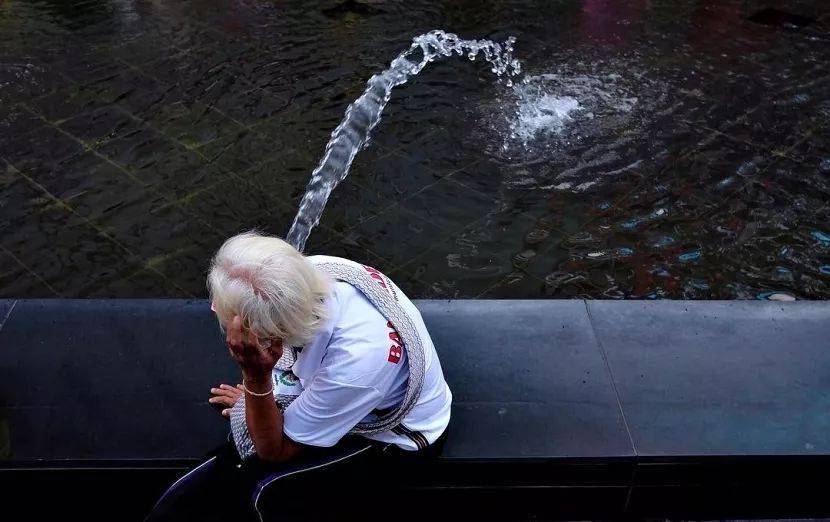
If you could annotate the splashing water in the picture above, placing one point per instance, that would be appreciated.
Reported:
(539, 114)
(364, 114)
(548, 119)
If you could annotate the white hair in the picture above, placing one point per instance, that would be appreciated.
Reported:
(268, 283)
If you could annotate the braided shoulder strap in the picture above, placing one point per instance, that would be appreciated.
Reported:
(379, 292)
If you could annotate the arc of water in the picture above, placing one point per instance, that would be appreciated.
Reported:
(364, 114)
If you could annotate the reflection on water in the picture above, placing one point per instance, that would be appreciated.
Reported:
(659, 149)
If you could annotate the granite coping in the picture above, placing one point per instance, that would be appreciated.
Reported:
(126, 381)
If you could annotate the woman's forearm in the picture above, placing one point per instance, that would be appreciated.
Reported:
(263, 418)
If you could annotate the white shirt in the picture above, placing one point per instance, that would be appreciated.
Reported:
(356, 365)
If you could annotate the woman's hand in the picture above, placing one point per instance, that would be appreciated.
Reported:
(226, 396)
(256, 358)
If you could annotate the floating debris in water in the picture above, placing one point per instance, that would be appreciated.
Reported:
(776, 296)
(699, 284)
(783, 274)
(663, 242)
(632, 223)
(822, 237)
(580, 238)
(514, 278)
(521, 259)
(604, 255)
(555, 280)
(824, 269)
(824, 166)
(689, 257)
(660, 271)
(800, 98)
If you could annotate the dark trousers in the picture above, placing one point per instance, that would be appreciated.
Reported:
(224, 488)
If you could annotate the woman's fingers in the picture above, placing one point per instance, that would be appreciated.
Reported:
(231, 389)
(225, 395)
(226, 391)
(223, 400)
(226, 413)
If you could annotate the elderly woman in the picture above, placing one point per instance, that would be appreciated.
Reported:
(336, 367)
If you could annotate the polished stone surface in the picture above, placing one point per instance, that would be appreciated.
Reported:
(135, 376)
(110, 396)
(111, 380)
(528, 380)
(720, 378)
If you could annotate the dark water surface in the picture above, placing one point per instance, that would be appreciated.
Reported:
(136, 136)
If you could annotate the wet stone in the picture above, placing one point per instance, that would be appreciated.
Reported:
(15, 120)
(193, 125)
(85, 66)
(44, 144)
(241, 150)
(66, 103)
(21, 80)
(139, 152)
(100, 126)
(449, 205)
(90, 186)
(403, 235)
(254, 106)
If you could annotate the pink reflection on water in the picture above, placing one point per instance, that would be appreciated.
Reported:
(606, 21)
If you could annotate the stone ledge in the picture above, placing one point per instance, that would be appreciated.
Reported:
(611, 407)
